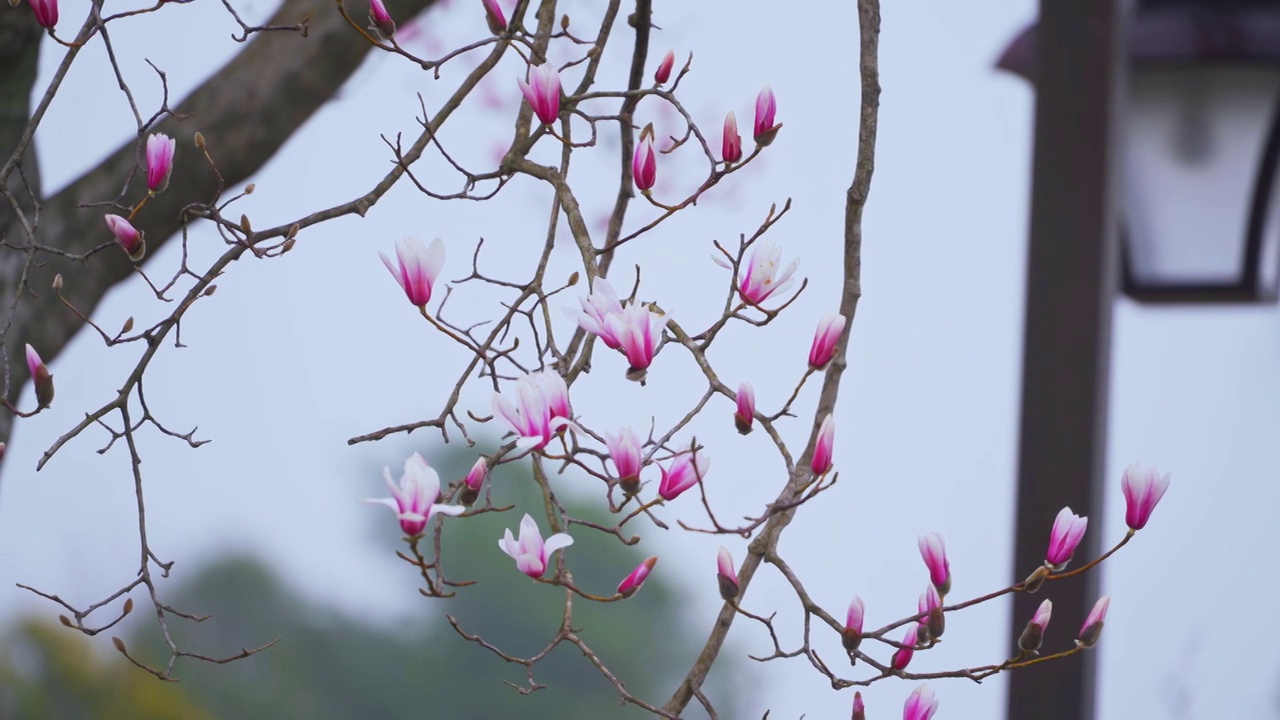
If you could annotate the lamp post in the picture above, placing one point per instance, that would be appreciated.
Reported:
(1180, 151)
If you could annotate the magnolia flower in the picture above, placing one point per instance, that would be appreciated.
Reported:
(596, 309)
(1033, 634)
(1091, 630)
(1068, 531)
(417, 267)
(761, 278)
(128, 236)
(380, 19)
(766, 108)
(859, 708)
(543, 92)
(630, 585)
(921, 704)
(494, 17)
(40, 377)
(934, 621)
(530, 552)
(625, 451)
(726, 574)
(541, 408)
(1143, 488)
(636, 329)
(934, 552)
(46, 12)
(824, 447)
(160, 149)
(830, 327)
(414, 500)
(902, 657)
(851, 636)
(474, 480)
(663, 73)
(644, 165)
(685, 471)
(746, 414)
(731, 144)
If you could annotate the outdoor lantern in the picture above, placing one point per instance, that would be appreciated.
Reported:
(1199, 148)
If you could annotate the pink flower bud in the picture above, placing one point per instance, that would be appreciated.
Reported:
(851, 636)
(128, 236)
(731, 144)
(474, 480)
(1091, 630)
(663, 73)
(625, 451)
(380, 19)
(824, 447)
(859, 709)
(631, 584)
(644, 165)
(417, 267)
(902, 657)
(934, 621)
(934, 552)
(766, 108)
(40, 377)
(1033, 634)
(746, 414)
(761, 278)
(921, 704)
(160, 149)
(414, 499)
(46, 12)
(543, 92)
(726, 574)
(494, 17)
(529, 552)
(1143, 488)
(685, 471)
(830, 327)
(1068, 530)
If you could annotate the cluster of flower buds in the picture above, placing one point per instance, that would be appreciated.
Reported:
(159, 153)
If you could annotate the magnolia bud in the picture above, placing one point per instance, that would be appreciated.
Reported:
(57, 281)
(199, 139)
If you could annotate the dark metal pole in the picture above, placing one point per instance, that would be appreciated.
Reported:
(1072, 268)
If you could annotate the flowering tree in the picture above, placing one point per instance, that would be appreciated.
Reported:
(530, 359)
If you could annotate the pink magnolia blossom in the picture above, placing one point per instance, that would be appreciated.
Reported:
(1068, 531)
(540, 411)
(127, 235)
(636, 328)
(414, 500)
(1033, 634)
(644, 164)
(824, 447)
(766, 108)
(731, 142)
(685, 471)
(628, 458)
(726, 574)
(596, 309)
(380, 19)
(530, 552)
(494, 17)
(903, 656)
(934, 621)
(1143, 488)
(859, 708)
(761, 277)
(46, 12)
(851, 636)
(160, 148)
(746, 413)
(543, 92)
(417, 267)
(934, 552)
(921, 704)
(830, 328)
(663, 73)
(474, 480)
(40, 377)
(630, 585)
(1091, 630)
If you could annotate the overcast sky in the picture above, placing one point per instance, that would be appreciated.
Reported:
(294, 356)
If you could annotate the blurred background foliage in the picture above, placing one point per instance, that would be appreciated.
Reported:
(329, 665)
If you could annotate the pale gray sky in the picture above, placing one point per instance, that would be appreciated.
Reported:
(294, 356)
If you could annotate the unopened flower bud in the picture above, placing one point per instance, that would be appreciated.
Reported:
(380, 19)
(727, 575)
(248, 189)
(631, 584)
(40, 377)
(1035, 579)
(1091, 630)
(859, 709)
(496, 20)
(57, 281)
(851, 635)
(1033, 635)
(199, 140)
(746, 414)
(474, 481)
(663, 73)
